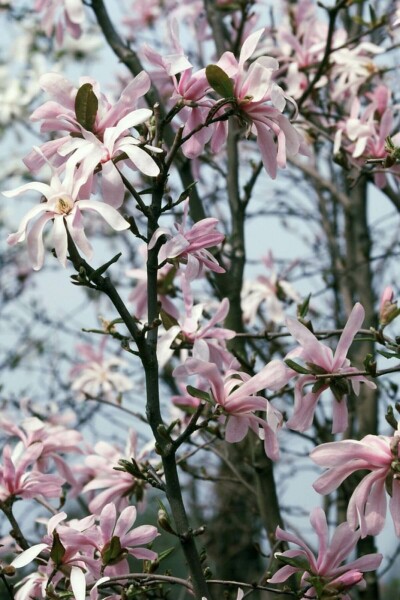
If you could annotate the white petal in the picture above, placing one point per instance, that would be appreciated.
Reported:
(28, 556)
(78, 583)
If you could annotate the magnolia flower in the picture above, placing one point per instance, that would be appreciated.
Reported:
(86, 152)
(69, 549)
(97, 139)
(60, 15)
(53, 440)
(320, 359)
(324, 576)
(271, 289)
(207, 340)
(118, 486)
(234, 395)
(261, 102)
(367, 505)
(165, 287)
(97, 375)
(387, 309)
(141, 16)
(16, 481)
(352, 67)
(115, 539)
(188, 246)
(63, 208)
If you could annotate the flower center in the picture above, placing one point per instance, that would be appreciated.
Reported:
(64, 205)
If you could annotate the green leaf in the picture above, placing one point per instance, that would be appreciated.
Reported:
(302, 309)
(299, 562)
(113, 552)
(162, 555)
(168, 320)
(219, 81)
(316, 369)
(298, 368)
(57, 550)
(339, 388)
(389, 354)
(196, 393)
(86, 106)
(318, 385)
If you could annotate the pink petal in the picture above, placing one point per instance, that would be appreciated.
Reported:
(352, 326)
(313, 350)
(394, 505)
(141, 535)
(340, 415)
(125, 521)
(236, 429)
(249, 46)
(283, 574)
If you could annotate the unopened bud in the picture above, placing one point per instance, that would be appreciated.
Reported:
(164, 521)
(7, 570)
(388, 310)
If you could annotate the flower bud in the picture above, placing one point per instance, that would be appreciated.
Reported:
(388, 310)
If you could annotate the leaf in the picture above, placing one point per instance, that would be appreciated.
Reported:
(57, 550)
(299, 562)
(302, 309)
(168, 320)
(86, 106)
(339, 388)
(196, 393)
(318, 385)
(113, 552)
(298, 368)
(316, 369)
(219, 81)
(165, 553)
(389, 354)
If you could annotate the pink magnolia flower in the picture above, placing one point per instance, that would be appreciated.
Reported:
(351, 68)
(367, 505)
(234, 395)
(117, 486)
(207, 340)
(99, 376)
(320, 359)
(388, 310)
(63, 208)
(261, 102)
(188, 246)
(324, 575)
(84, 154)
(365, 135)
(19, 480)
(32, 586)
(165, 287)
(54, 441)
(271, 289)
(114, 539)
(69, 552)
(106, 138)
(59, 15)
(141, 16)
(190, 91)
